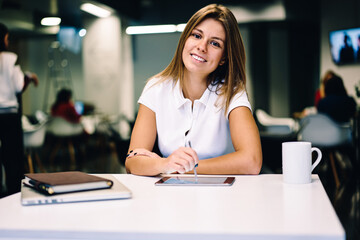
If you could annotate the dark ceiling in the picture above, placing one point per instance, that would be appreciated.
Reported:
(21, 14)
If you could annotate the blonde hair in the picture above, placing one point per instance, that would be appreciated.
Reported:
(230, 78)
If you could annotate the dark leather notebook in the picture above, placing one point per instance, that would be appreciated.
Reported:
(62, 182)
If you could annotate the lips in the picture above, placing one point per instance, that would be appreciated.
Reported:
(198, 58)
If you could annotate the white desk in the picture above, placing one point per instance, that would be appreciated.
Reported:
(255, 207)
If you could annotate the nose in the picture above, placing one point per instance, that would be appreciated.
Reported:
(202, 45)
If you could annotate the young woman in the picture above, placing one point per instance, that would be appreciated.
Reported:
(198, 107)
(12, 83)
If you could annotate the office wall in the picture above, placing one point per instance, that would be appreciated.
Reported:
(108, 69)
(279, 95)
(108, 66)
(284, 65)
(151, 54)
(337, 15)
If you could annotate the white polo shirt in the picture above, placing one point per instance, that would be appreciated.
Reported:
(11, 80)
(208, 127)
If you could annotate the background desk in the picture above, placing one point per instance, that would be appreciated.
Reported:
(255, 207)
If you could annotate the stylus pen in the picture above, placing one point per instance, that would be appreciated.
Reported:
(189, 143)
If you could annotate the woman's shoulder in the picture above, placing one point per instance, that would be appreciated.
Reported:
(156, 91)
(9, 57)
(159, 84)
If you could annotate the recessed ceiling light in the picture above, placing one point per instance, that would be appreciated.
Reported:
(180, 27)
(50, 21)
(152, 29)
(95, 10)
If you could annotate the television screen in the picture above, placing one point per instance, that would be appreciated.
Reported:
(70, 39)
(79, 107)
(345, 46)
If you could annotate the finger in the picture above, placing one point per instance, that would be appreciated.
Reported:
(183, 156)
(138, 154)
(193, 153)
(173, 168)
(180, 169)
(185, 160)
(176, 162)
(140, 151)
(191, 156)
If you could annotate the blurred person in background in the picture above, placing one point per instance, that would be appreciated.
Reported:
(320, 92)
(12, 83)
(336, 103)
(64, 107)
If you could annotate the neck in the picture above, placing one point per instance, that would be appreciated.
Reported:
(194, 86)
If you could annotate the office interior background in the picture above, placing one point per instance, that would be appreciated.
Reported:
(287, 48)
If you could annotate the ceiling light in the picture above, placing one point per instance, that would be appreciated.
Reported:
(82, 32)
(268, 12)
(95, 10)
(151, 29)
(50, 21)
(180, 27)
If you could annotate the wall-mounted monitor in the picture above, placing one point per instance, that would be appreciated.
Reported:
(70, 39)
(345, 46)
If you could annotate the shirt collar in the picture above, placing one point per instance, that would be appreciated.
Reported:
(180, 99)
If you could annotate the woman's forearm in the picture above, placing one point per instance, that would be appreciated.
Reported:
(144, 165)
(232, 163)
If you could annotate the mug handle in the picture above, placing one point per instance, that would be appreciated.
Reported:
(318, 157)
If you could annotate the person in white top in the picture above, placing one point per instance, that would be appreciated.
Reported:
(197, 107)
(12, 83)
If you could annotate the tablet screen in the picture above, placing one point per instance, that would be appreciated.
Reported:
(199, 181)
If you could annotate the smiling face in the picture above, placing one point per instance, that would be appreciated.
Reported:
(204, 49)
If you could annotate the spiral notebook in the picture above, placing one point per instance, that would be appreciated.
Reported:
(30, 196)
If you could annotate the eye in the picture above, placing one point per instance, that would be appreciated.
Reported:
(215, 44)
(196, 35)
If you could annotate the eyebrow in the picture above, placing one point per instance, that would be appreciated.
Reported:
(217, 38)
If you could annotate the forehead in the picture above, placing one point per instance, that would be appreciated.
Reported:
(212, 27)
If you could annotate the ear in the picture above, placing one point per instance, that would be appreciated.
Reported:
(222, 62)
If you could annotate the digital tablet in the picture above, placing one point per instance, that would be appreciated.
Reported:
(195, 181)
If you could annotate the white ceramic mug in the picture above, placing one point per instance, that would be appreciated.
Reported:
(297, 162)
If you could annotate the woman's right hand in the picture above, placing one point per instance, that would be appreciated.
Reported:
(181, 160)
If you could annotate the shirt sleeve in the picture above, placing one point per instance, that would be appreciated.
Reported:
(239, 100)
(150, 94)
(15, 73)
(18, 79)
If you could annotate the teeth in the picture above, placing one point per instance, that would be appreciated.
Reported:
(198, 58)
